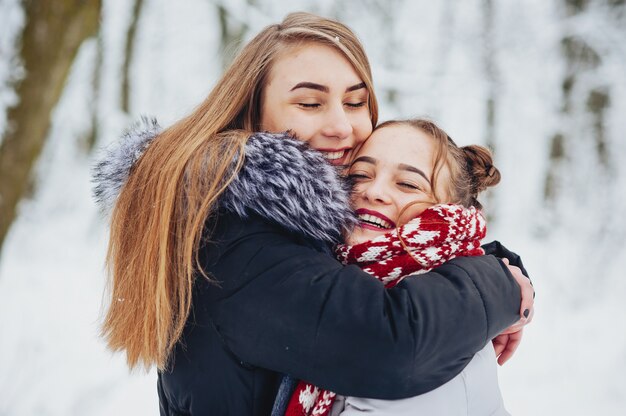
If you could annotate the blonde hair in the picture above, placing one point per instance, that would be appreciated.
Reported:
(158, 221)
(470, 168)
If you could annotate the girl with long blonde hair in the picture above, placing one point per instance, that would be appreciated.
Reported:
(218, 252)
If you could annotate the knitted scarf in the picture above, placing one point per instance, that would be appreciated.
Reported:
(440, 233)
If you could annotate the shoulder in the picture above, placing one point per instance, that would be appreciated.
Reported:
(230, 233)
(282, 180)
(289, 184)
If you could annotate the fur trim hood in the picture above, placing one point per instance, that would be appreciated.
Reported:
(282, 180)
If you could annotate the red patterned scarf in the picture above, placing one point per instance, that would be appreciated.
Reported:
(440, 233)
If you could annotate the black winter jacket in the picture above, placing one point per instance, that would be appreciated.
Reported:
(284, 306)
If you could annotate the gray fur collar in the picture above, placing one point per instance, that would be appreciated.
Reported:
(282, 180)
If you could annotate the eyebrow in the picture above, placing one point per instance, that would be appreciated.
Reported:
(324, 88)
(401, 166)
(365, 159)
(410, 168)
(356, 87)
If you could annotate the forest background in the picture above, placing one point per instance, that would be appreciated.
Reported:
(543, 83)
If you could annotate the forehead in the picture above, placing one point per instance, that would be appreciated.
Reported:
(400, 143)
(313, 62)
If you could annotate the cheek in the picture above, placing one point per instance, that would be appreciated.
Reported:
(270, 118)
(415, 209)
(303, 130)
(362, 128)
(268, 124)
(275, 115)
(279, 122)
(356, 195)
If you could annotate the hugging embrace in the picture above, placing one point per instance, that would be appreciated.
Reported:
(258, 282)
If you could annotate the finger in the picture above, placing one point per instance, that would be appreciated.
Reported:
(530, 316)
(511, 347)
(527, 298)
(514, 328)
(526, 291)
(505, 356)
(528, 302)
(505, 261)
(499, 343)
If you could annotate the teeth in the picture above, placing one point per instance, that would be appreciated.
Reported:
(334, 155)
(372, 220)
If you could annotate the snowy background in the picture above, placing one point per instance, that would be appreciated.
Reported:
(523, 77)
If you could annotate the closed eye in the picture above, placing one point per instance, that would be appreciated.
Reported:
(357, 176)
(409, 186)
(357, 105)
(308, 105)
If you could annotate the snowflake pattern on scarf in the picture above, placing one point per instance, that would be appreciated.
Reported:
(440, 233)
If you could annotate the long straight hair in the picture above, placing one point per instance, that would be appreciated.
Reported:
(158, 221)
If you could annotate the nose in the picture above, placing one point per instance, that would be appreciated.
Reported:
(374, 191)
(338, 124)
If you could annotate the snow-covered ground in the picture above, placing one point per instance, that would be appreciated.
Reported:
(573, 358)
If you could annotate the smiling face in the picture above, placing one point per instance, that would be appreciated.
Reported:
(393, 169)
(313, 91)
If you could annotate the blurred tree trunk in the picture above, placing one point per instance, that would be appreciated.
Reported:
(53, 33)
(232, 32)
(581, 60)
(130, 52)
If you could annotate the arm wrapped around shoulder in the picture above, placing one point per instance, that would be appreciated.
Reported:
(284, 307)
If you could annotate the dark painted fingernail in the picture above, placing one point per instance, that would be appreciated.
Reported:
(533, 295)
(526, 313)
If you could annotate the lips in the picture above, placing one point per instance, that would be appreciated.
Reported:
(335, 156)
(374, 220)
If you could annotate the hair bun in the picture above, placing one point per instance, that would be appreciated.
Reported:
(480, 168)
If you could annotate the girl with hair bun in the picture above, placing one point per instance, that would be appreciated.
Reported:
(415, 193)
(219, 256)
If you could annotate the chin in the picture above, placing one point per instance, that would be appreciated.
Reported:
(361, 236)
